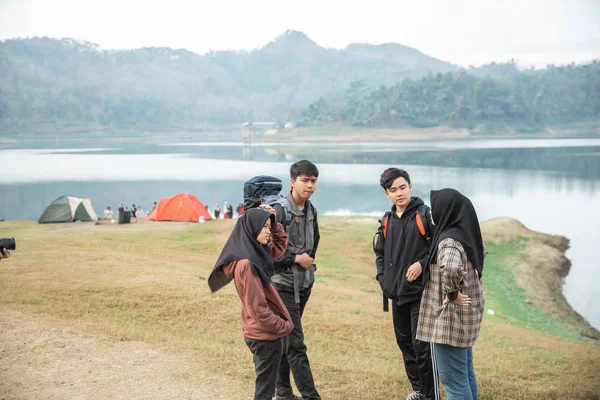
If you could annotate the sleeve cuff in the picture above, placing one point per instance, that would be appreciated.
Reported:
(452, 295)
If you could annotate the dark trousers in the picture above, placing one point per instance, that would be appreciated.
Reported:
(266, 355)
(416, 354)
(294, 350)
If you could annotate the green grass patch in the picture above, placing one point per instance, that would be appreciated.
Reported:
(510, 301)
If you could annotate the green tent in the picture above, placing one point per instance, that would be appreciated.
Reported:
(69, 209)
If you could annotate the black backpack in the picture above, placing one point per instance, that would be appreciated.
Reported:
(264, 189)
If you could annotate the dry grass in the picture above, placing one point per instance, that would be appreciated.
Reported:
(141, 282)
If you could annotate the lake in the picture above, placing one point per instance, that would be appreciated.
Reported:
(550, 185)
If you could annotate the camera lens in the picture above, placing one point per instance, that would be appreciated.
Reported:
(8, 243)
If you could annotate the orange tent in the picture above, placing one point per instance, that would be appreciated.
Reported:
(181, 207)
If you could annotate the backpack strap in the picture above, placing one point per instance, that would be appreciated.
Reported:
(286, 208)
(384, 223)
(422, 220)
(382, 230)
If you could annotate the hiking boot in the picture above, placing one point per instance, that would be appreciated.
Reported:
(415, 396)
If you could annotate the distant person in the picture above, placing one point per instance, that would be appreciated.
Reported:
(228, 212)
(239, 209)
(247, 259)
(133, 211)
(121, 208)
(401, 254)
(108, 212)
(295, 275)
(153, 207)
(5, 253)
(217, 210)
(452, 305)
(140, 212)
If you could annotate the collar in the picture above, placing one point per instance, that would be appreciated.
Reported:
(295, 209)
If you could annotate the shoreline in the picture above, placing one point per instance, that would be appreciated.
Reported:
(344, 133)
(334, 133)
(540, 269)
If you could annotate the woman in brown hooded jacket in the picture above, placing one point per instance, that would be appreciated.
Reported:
(247, 259)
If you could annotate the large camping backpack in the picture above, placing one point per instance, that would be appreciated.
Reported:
(264, 189)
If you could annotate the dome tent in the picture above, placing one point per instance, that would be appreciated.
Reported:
(181, 207)
(69, 209)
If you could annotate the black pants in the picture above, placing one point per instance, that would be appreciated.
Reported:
(266, 355)
(294, 350)
(416, 354)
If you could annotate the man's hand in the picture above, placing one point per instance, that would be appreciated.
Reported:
(414, 271)
(461, 300)
(5, 253)
(304, 260)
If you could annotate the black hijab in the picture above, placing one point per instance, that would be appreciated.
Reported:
(455, 217)
(242, 245)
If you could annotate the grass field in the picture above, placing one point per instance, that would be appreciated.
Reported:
(146, 282)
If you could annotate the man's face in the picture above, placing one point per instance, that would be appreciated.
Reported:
(304, 186)
(399, 192)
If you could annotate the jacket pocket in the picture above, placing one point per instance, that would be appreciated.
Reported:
(391, 281)
(294, 236)
(395, 283)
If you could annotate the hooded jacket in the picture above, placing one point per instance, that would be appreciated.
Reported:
(395, 253)
(250, 265)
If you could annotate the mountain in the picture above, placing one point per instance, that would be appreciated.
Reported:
(50, 84)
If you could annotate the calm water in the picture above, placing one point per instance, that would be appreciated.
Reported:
(551, 186)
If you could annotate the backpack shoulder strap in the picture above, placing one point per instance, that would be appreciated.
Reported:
(382, 230)
(384, 223)
(287, 212)
(422, 220)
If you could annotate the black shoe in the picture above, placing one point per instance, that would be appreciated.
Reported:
(415, 396)
(292, 397)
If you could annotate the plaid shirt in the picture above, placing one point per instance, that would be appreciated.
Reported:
(452, 325)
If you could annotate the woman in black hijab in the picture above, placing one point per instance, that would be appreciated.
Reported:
(452, 304)
(247, 259)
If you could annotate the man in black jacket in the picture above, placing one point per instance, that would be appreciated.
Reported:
(402, 250)
(295, 275)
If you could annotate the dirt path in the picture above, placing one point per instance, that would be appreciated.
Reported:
(40, 359)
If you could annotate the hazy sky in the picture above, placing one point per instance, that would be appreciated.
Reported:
(460, 31)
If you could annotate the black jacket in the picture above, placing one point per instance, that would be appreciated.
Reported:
(402, 246)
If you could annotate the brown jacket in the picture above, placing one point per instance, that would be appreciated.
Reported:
(452, 325)
(264, 316)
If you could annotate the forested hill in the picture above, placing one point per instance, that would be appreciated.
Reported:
(50, 85)
(498, 95)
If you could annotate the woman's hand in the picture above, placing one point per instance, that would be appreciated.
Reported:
(461, 300)
(267, 208)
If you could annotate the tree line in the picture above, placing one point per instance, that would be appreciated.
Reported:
(554, 95)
